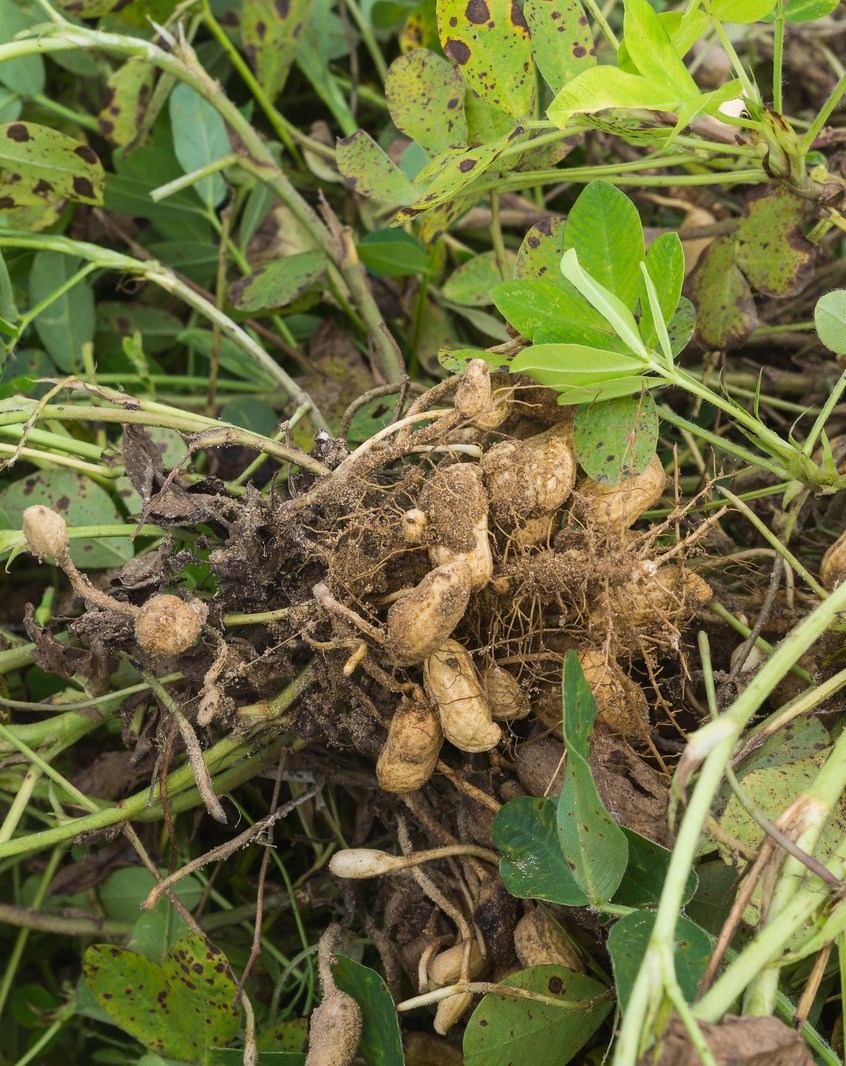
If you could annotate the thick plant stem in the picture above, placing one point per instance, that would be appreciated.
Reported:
(714, 744)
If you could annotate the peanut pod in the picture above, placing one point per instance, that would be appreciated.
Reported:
(445, 967)
(507, 700)
(622, 504)
(539, 942)
(833, 565)
(527, 478)
(421, 621)
(453, 685)
(455, 503)
(620, 702)
(334, 1031)
(411, 751)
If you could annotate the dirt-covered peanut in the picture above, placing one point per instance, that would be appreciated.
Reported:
(421, 621)
(473, 395)
(169, 625)
(526, 478)
(45, 532)
(455, 503)
(507, 699)
(655, 604)
(533, 531)
(501, 405)
(445, 967)
(414, 525)
(620, 505)
(621, 705)
(539, 763)
(452, 683)
(833, 565)
(539, 942)
(450, 1011)
(411, 751)
(334, 1031)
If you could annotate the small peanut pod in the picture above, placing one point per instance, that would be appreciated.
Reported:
(473, 395)
(507, 700)
(833, 565)
(527, 478)
(538, 942)
(620, 702)
(45, 532)
(501, 405)
(334, 1031)
(620, 505)
(411, 751)
(533, 531)
(656, 602)
(455, 503)
(453, 685)
(445, 967)
(167, 625)
(421, 621)
(450, 1011)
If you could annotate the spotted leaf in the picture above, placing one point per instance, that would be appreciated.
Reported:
(278, 283)
(369, 171)
(772, 251)
(562, 40)
(270, 31)
(425, 96)
(490, 42)
(725, 310)
(181, 1009)
(37, 162)
(126, 102)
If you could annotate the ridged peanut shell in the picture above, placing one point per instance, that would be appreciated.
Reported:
(620, 505)
(507, 700)
(473, 395)
(656, 602)
(421, 621)
(526, 478)
(452, 683)
(334, 1031)
(411, 751)
(833, 565)
(445, 967)
(538, 942)
(620, 702)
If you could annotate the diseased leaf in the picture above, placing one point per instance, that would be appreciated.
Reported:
(472, 283)
(627, 944)
(278, 283)
(540, 253)
(604, 228)
(533, 865)
(489, 40)
(772, 251)
(503, 1031)
(69, 321)
(37, 162)
(561, 38)
(199, 138)
(725, 310)
(593, 844)
(125, 101)
(270, 32)
(617, 438)
(425, 95)
(369, 171)
(665, 264)
(531, 306)
(485, 123)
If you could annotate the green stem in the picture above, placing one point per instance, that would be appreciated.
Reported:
(831, 102)
(602, 22)
(717, 441)
(370, 42)
(185, 181)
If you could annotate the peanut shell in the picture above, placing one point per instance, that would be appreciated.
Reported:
(620, 505)
(833, 565)
(539, 942)
(508, 701)
(452, 683)
(530, 477)
(473, 395)
(45, 532)
(411, 751)
(421, 621)
(334, 1031)
(445, 967)
(168, 625)
(620, 702)
(450, 1011)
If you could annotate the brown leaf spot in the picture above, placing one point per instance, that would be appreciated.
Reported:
(477, 12)
(261, 30)
(466, 165)
(555, 985)
(457, 50)
(282, 8)
(85, 154)
(579, 50)
(42, 187)
(518, 19)
(18, 132)
(83, 187)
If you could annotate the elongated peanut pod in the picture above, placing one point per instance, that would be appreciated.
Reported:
(421, 621)
(334, 1031)
(538, 942)
(833, 565)
(478, 559)
(450, 1011)
(455, 502)
(445, 967)
(622, 504)
(452, 683)
(473, 395)
(411, 751)
(620, 702)
(531, 477)
(507, 700)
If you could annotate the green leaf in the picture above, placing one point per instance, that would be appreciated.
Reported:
(369, 171)
(425, 95)
(807, 10)
(627, 944)
(533, 866)
(665, 265)
(118, 320)
(725, 310)
(578, 363)
(643, 882)
(503, 1031)
(531, 306)
(381, 1041)
(561, 39)
(250, 413)
(199, 138)
(604, 228)
(830, 320)
(489, 40)
(232, 357)
(393, 253)
(38, 162)
(181, 1009)
(126, 101)
(8, 308)
(278, 283)
(473, 282)
(270, 32)
(742, 10)
(81, 502)
(610, 306)
(771, 250)
(594, 845)
(24, 75)
(124, 890)
(69, 321)
(682, 326)
(602, 87)
(485, 123)
(653, 53)
(540, 253)
(617, 438)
